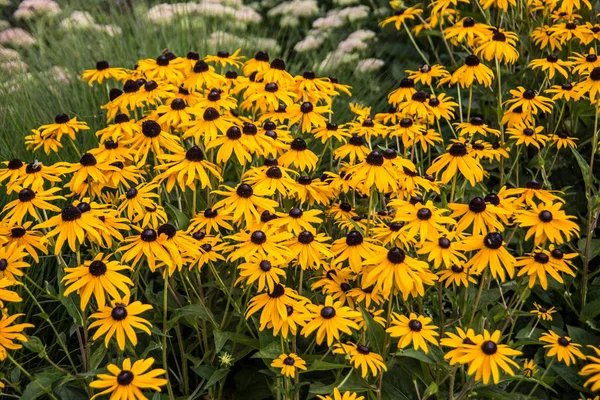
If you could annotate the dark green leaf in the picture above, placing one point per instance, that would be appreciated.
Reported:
(375, 332)
(319, 365)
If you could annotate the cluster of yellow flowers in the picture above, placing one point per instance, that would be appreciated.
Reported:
(256, 157)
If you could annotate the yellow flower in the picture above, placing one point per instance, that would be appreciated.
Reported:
(361, 357)
(413, 329)
(329, 319)
(289, 364)
(562, 347)
(125, 383)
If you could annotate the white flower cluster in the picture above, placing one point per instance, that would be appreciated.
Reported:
(226, 39)
(29, 9)
(230, 9)
(290, 12)
(322, 27)
(83, 20)
(339, 17)
(369, 65)
(347, 50)
(16, 37)
(10, 61)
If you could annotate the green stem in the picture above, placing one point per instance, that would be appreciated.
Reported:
(164, 332)
(541, 378)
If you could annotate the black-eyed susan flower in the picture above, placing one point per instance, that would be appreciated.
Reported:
(483, 217)
(119, 319)
(273, 305)
(31, 240)
(259, 62)
(530, 101)
(499, 45)
(539, 264)
(476, 125)
(533, 190)
(276, 72)
(402, 15)
(329, 320)
(426, 73)
(262, 243)
(298, 220)
(125, 382)
(547, 222)
(11, 261)
(265, 271)
(529, 368)
(362, 358)
(566, 91)
(162, 68)
(299, 155)
(7, 294)
(354, 149)
(154, 139)
(392, 270)
(337, 395)
(414, 329)
(561, 347)
(404, 92)
(308, 115)
(148, 243)
(456, 275)
(188, 169)
(552, 64)
(564, 141)
(544, 37)
(244, 202)
(542, 312)
(460, 342)
(310, 250)
(63, 125)
(491, 252)
(98, 277)
(210, 220)
(230, 144)
(289, 364)
(224, 58)
(486, 357)
(208, 125)
(36, 141)
(138, 199)
(123, 128)
(372, 173)
(355, 248)
(592, 370)
(10, 332)
(424, 221)
(529, 136)
(472, 71)
(103, 71)
(459, 158)
(72, 226)
(28, 203)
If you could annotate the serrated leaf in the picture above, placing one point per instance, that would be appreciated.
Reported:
(416, 354)
(271, 351)
(44, 379)
(222, 337)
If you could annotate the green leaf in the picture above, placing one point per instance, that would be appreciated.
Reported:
(416, 354)
(375, 332)
(216, 377)
(45, 379)
(569, 375)
(97, 356)
(431, 390)
(271, 351)
(222, 337)
(583, 166)
(319, 365)
(590, 311)
(582, 337)
(34, 344)
(182, 220)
